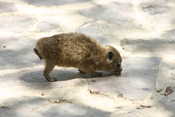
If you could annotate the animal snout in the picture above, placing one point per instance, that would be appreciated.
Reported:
(118, 70)
(118, 67)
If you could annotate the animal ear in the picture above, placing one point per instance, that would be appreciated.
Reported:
(110, 56)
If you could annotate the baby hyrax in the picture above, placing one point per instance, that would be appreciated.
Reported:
(79, 51)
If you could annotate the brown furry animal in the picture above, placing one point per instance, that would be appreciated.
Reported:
(79, 51)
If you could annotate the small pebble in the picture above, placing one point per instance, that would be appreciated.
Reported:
(3, 46)
(42, 94)
(168, 91)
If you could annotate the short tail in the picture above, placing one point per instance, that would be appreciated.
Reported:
(37, 53)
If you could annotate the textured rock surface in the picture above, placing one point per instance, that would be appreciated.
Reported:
(143, 31)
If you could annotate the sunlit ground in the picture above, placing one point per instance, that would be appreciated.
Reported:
(143, 31)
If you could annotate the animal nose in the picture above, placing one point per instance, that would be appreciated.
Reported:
(121, 69)
(118, 65)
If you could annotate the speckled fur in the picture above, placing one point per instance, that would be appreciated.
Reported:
(76, 50)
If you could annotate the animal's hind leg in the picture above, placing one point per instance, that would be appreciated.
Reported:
(48, 68)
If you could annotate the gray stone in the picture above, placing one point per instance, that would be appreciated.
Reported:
(16, 23)
(40, 107)
(153, 8)
(145, 31)
(7, 7)
(169, 34)
(114, 13)
(47, 26)
(151, 46)
(136, 82)
(53, 3)
(18, 53)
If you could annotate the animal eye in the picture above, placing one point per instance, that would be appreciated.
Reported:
(118, 65)
(110, 55)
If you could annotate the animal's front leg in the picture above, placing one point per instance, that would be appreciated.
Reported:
(48, 68)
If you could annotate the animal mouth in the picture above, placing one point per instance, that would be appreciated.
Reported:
(117, 73)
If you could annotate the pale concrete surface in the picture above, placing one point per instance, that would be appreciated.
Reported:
(143, 31)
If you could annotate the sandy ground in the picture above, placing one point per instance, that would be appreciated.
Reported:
(142, 30)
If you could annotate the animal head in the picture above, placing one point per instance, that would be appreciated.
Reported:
(113, 60)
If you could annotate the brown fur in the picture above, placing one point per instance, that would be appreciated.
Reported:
(79, 51)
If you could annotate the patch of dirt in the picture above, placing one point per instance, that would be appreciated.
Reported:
(59, 101)
(4, 107)
(144, 106)
(168, 91)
